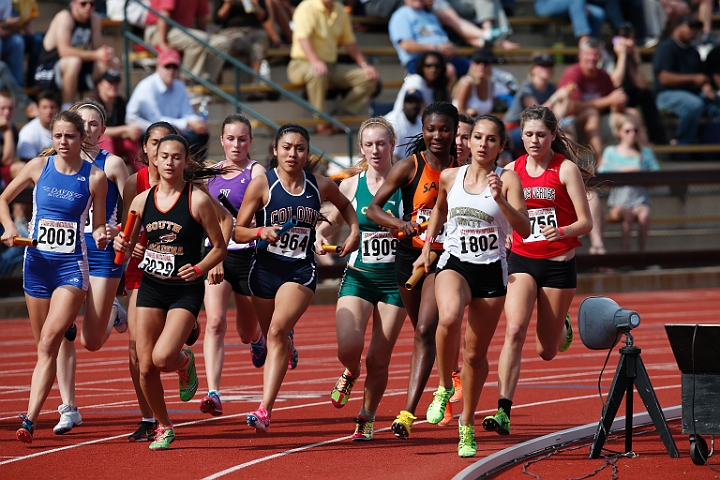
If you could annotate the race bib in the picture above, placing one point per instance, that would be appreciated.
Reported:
(378, 247)
(539, 217)
(423, 215)
(56, 236)
(158, 264)
(292, 244)
(479, 243)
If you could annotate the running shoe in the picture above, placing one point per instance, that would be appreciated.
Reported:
(500, 422)
(568, 335)
(71, 333)
(457, 385)
(144, 433)
(194, 335)
(69, 417)
(363, 429)
(292, 352)
(258, 352)
(448, 416)
(211, 404)
(259, 419)
(341, 391)
(403, 424)
(121, 319)
(188, 378)
(466, 446)
(164, 436)
(26, 430)
(436, 409)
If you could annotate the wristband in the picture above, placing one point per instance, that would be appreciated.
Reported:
(257, 234)
(429, 239)
(561, 232)
(197, 270)
(363, 64)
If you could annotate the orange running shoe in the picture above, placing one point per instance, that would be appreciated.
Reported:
(457, 396)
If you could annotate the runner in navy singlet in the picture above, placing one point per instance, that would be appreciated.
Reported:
(55, 273)
(286, 268)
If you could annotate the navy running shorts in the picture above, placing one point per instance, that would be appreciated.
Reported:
(267, 276)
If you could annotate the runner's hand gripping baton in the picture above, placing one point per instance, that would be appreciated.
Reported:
(419, 273)
(127, 231)
(332, 248)
(285, 228)
(226, 203)
(24, 242)
(422, 227)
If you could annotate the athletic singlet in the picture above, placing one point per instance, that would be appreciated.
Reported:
(142, 183)
(548, 203)
(60, 208)
(111, 201)
(419, 197)
(174, 236)
(476, 228)
(377, 246)
(234, 189)
(81, 37)
(298, 243)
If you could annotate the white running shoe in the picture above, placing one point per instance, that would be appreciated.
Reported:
(121, 319)
(68, 419)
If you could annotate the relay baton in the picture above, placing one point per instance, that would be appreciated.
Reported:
(332, 248)
(423, 226)
(24, 242)
(226, 203)
(419, 273)
(285, 228)
(127, 231)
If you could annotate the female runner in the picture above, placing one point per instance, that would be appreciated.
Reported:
(137, 183)
(102, 310)
(368, 287)
(417, 178)
(231, 276)
(55, 274)
(480, 203)
(174, 215)
(286, 268)
(542, 266)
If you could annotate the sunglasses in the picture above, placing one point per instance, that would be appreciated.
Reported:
(431, 65)
(172, 66)
(85, 4)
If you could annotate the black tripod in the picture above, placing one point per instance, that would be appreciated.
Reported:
(631, 371)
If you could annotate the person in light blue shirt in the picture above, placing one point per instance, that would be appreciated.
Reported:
(162, 97)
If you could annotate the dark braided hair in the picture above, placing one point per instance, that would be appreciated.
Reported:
(417, 143)
(313, 160)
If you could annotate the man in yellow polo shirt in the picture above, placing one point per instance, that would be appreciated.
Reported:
(321, 27)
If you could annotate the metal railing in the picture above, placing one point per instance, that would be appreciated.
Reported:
(238, 66)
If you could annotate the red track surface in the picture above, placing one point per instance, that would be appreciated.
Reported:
(308, 437)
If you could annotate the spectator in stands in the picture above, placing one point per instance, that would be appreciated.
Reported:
(24, 11)
(704, 14)
(536, 90)
(321, 26)
(627, 73)
(586, 19)
(74, 55)
(244, 29)
(629, 203)
(489, 14)
(430, 80)
(188, 13)
(9, 164)
(407, 122)
(475, 92)
(120, 138)
(35, 136)
(7, 82)
(682, 86)
(12, 46)
(414, 30)
(712, 62)
(163, 97)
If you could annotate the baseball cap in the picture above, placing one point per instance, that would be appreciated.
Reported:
(543, 59)
(169, 57)
(111, 76)
(413, 94)
(483, 55)
(690, 20)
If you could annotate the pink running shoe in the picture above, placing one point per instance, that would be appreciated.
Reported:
(259, 419)
(211, 404)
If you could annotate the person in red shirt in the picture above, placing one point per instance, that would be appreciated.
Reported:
(187, 13)
(541, 267)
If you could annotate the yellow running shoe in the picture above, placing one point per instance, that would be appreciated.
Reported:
(403, 424)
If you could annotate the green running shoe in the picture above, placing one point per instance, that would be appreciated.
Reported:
(164, 436)
(341, 391)
(436, 409)
(466, 446)
(568, 335)
(188, 378)
(500, 422)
